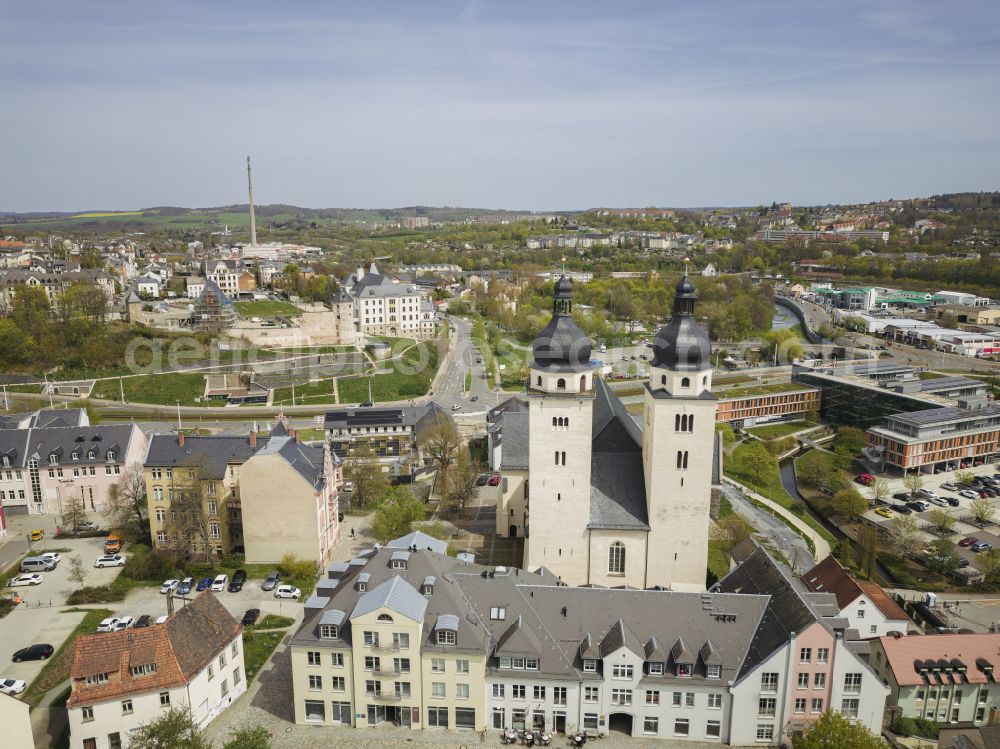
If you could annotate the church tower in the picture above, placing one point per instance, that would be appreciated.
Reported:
(678, 444)
(560, 421)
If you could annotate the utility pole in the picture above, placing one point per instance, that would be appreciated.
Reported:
(121, 387)
(253, 222)
(178, 417)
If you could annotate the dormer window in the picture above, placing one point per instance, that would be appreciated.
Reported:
(589, 664)
(445, 637)
(428, 585)
(6, 462)
(713, 672)
(111, 455)
(328, 632)
(53, 459)
(144, 670)
(428, 590)
(75, 455)
(97, 679)
(362, 587)
(91, 454)
(399, 559)
(446, 629)
(684, 669)
(656, 669)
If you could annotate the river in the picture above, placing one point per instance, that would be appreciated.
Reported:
(783, 319)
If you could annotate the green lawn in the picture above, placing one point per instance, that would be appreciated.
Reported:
(320, 391)
(718, 560)
(165, 389)
(776, 431)
(273, 621)
(267, 308)
(777, 387)
(410, 377)
(257, 650)
(57, 668)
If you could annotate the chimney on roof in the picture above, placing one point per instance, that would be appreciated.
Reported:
(180, 439)
(253, 438)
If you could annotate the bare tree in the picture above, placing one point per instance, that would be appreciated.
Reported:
(913, 482)
(440, 443)
(462, 481)
(127, 508)
(77, 570)
(982, 510)
(365, 472)
(190, 511)
(880, 490)
(74, 512)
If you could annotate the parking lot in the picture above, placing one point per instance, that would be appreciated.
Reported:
(961, 528)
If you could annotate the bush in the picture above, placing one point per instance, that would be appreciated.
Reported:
(6, 606)
(96, 594)
(921, 727)
(295, 568)
(147, 565)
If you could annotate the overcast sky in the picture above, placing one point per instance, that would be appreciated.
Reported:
(503, 104)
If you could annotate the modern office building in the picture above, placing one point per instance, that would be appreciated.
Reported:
(761, 405)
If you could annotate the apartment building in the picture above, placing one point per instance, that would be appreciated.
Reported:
(44, 468)
(392, 433)
(948, 678)
(386, 308)
(122, 680)
(747, 407)
(867, 608)
(945, 437)
(230, 277)
(430, 642)
(54, 284)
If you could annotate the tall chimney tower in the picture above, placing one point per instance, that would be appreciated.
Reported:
(253, 221)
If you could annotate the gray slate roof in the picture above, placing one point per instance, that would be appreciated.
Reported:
(306, 460)
(514, 454)
(63, 441)
(395, 594)
(215, 452)
(421, 541)
(617, 479)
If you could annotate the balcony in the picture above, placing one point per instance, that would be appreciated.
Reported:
(388, 648)
(386, 670)
(386, 696)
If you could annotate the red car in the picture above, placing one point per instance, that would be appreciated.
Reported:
(494, 480)
(968, 541)
(865, 479)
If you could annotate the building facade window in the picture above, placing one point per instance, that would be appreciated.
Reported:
(616, 559)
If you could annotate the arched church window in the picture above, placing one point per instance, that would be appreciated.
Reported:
(616, 559)
(677, 422)
(686, 382)
(561, 384)
(663, 380)
(583, 382)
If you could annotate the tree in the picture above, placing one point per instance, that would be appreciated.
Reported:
(127, 509)
(964, 477)
(941, 519)
(850, 503)
(396, 514)
(74, 512)
(844, 553)
(988, 562)
(440, 443)
(78, 571)
(942, 556)
(880, 490)
(174, 729)
(732, 530)
(365, 472)
(190, 511)
(982, 510)
(758, 463)
(249, 737)
(902, 531)
(868, 539)
(834, 731)
(462, 481)
(913, 482)
(728, 435)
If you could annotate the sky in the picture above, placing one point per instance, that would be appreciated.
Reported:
(541, 105)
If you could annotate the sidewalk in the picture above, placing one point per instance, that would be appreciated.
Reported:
(820, 544)
(48, 722)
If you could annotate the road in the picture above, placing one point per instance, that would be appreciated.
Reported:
(787, 541)
(450, 388)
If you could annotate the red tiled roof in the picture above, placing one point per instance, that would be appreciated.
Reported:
(830, 577)
(179, 648)
(903, 652)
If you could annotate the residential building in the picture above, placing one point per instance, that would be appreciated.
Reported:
(213, 311)
(16, 723)
(193, 286)
(289, 500)
(122, 680)
(605, 488)
(947, 678)
(430, 642)
(54, 284)
(869, 611)
(414, 222)
(42, 468)
(148, 286)
(936, 438)
(393, 433)
(387, 308)
(744, 407)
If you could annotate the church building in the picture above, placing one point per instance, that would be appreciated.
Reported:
(600, 497)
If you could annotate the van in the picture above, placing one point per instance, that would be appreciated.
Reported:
(113, 544)
(36, 564)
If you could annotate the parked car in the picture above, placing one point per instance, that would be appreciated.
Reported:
(52, 557)
(87, 525)
(37, 535)
(969, 494)
(111, 560)
(968, 541)
(901, 496)
(108, 625)
(482, 478)
(287, 591)
(494, 480)
(953, 501)
(271, 581)
(925, 493)
(456, 407)
(30, 579)
(865, 479)
(236, 584)
(12, 686)
(204, 584)
(883, 511)
(981, 546)
(36, 652)
(169, 585)
(949, 486)
(474, 398)
(185, 587)
(963, 562)
(143, 621)
(939, 501)
(902, 509)
(220, 583)
(348, 486)
(250, 617)
(124, 622)
(918, 505)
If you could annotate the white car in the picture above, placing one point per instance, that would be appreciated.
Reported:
(108, 625)
(124, 622)
(968, 494)
(348, 486)
(220, 583)
(51, 556)
(33, 579)
(938, 501)
(12, 686)
(287, 591)
(169, 585)
(111, 560)
(161, 619)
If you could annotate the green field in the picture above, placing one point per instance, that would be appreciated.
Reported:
(165, 389)
(320, 391)
(267, 308)
(775, 431)
(777, 387)
(398, 384)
